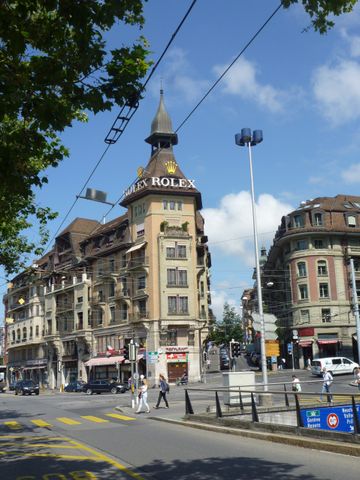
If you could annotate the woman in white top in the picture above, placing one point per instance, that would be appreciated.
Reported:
(143, 395)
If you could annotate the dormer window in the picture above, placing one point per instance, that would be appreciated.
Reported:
(298, 221)
(351, 221)
(318, 219)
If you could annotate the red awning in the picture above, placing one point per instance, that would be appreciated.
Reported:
(96, 362)
(327, 342)
(305, 343)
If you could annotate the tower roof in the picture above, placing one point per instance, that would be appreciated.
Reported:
(161, 127)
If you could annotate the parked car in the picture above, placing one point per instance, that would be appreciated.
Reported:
(100, 386)
(224, 360)
(335, 365)
(76, 386)
(26, 387)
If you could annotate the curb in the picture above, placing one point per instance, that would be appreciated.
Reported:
(297, 441)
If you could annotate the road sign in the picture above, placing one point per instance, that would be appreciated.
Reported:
(338, 419)
(290, 348)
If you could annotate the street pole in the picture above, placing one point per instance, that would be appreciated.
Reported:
(355, 305)
(248, 139)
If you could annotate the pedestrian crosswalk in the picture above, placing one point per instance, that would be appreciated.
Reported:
(66, 421)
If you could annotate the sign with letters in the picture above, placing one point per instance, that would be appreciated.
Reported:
(166, 182)
(336, 419)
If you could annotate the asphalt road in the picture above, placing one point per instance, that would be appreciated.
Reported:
(73, 436)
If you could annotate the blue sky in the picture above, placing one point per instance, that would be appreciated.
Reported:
(301, 89)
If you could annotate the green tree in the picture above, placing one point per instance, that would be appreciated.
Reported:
(55, 65)
(229, 328)
(321, 10)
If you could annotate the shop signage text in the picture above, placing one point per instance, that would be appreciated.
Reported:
(160, 182)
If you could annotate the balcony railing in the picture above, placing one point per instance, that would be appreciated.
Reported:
(138, 262)
(64, 307)
(137, 316)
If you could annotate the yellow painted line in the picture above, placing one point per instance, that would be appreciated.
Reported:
(13, 425)
(120, 417)
(106, 459)
(52, 455)
(94, 419)
(30, 445)
(41, 423)
(68, 421)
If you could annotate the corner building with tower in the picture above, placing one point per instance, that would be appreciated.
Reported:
(142, 276)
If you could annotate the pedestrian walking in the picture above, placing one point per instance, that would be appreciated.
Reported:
(357, 377)
(296, 386)
(327, 381)
(164, 388)
(143, 393)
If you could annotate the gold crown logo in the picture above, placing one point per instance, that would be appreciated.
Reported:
(140, 171)
(171, 166)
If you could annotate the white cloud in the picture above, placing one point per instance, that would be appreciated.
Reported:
(242, 80)
(352, 174)
(353, 41)
(230, 227)
(337, 91)
(218, 299)
(179, 75)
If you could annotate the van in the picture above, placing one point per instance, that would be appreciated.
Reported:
(335, 365)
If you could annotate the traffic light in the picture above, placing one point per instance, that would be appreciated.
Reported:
(235, 349)
(126, 352)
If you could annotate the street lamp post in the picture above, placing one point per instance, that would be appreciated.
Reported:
(248, 139)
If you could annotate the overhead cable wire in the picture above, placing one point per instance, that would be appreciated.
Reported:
(128, 118)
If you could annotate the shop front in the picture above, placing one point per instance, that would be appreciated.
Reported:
(104, 368)
(177, 364)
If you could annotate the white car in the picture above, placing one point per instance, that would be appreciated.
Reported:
(335, 365)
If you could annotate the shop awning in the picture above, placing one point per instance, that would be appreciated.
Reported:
(139, 357)
(97, 362)
(327, 341)
(136, 247)
(34, 368)
(305, 343)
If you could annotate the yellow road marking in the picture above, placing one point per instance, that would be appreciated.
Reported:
(41, 423)
(106, 459)
(120, 417)
(68, 421)
(94, 419)
(13, 425)
(52, 455)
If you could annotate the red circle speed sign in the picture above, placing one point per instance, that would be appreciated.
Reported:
(332, 420)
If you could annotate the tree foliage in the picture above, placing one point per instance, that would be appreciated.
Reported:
(321, 10)
(55, 64)
(229, 328)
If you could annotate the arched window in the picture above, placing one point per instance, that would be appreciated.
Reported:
(37, 330)
(31, 332)
(318, 219)
(13, 335)
(322, 268)
(301, 267)
(24, 333)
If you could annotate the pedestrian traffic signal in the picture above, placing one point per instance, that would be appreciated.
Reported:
(126, 352)
(235, 349)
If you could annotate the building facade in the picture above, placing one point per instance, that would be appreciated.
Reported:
(143, 276)
(308, 268)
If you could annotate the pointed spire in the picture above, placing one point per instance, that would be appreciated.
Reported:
(162, 134)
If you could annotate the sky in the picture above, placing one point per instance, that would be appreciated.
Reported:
(301, 88)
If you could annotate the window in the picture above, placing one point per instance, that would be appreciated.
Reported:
(112, 314)
(181, 251)
(37, 330)
(111, 289)
(170, 252)
(79, 299)
(318, 243)
(298, 221)
(176, 277)
(180, 205)
(305, 316)
(326, 315)
(112, 265)
(301, 269)
(31, 332)
(178, 251)
(324, 290)
(301, 245)
(303, 290)
(142, 307)
(100, 296)
(165, 204)
(318, 219)
(141, 282)
(124, 311)
(172, 205)
(178, 305)
(80, 317)
(322, 268)
(351, 221)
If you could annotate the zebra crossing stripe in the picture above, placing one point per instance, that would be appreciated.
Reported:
(68, 421)
(41, 423)
(13, 425)
(120, 417)
(94, 419)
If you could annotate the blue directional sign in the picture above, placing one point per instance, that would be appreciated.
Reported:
(290, 348)
(338, 419)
